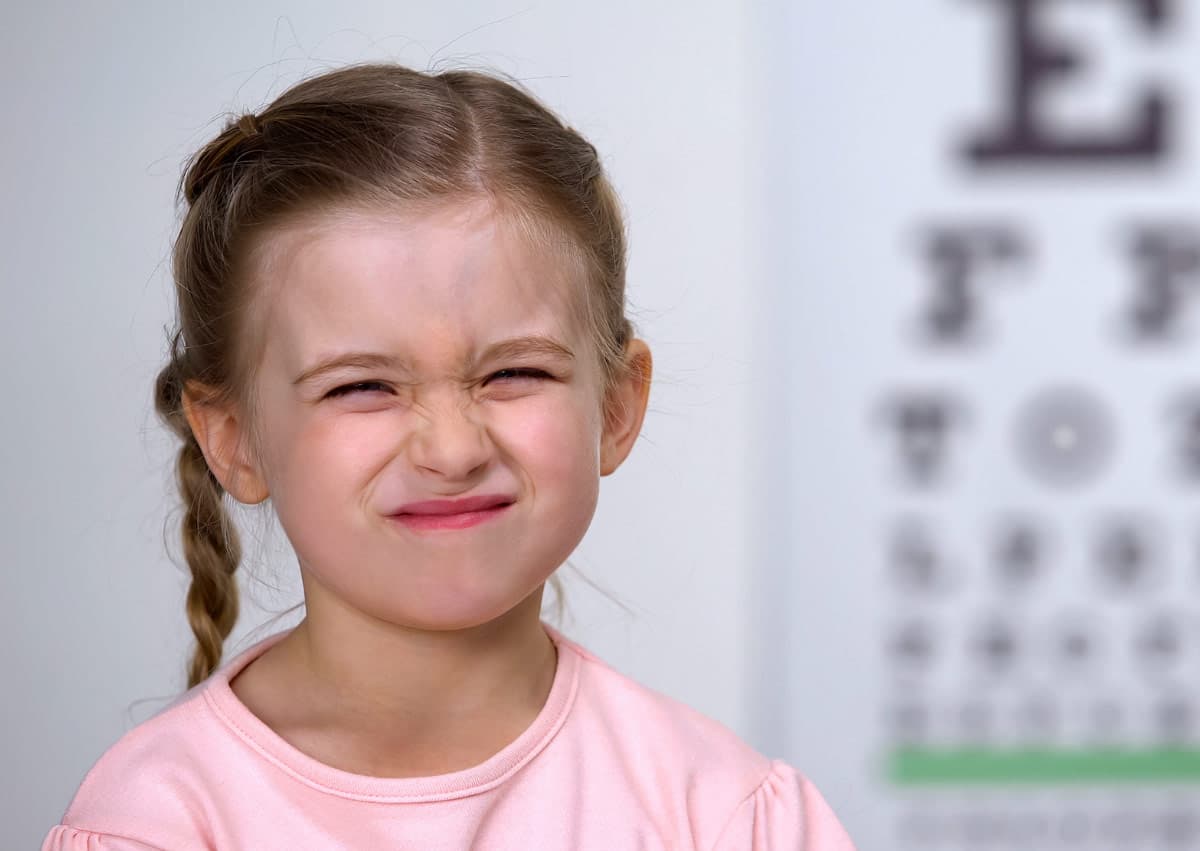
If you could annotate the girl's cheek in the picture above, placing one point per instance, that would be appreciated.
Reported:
(342, 446)
(549, 434)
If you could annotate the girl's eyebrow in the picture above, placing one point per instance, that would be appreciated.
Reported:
(528, 345)
(514, 347)
(362, 360)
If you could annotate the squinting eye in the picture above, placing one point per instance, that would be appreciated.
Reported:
(517, 373)
(357, 386)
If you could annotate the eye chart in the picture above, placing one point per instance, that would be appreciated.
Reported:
(983, 556)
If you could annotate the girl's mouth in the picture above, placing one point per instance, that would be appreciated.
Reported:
(451, 514)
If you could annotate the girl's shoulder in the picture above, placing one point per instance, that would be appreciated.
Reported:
(152, 788)
(689, 768)
(147, 788)
(645, 720)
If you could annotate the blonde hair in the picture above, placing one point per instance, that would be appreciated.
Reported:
(378, 136)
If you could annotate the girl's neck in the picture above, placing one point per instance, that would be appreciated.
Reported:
(387, 701)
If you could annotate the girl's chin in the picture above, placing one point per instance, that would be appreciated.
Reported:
(452, 615)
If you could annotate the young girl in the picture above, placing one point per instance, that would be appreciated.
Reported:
(402, 319)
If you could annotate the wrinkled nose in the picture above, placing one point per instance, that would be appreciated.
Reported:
(449, 442)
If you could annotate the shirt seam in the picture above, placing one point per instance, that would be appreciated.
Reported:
(428, 797)
(110, 835)
(729, 821)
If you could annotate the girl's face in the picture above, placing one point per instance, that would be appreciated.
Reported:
(417, 359)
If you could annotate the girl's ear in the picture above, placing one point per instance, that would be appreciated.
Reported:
(625, 407)
(219, 432)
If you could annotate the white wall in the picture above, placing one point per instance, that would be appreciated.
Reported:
(103, 102)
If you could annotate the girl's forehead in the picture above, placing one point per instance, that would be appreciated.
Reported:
(455, 275)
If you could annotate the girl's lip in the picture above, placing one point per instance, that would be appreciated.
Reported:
(448, 507)
(455, 520)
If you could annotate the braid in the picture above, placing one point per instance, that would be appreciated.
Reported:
(210, 540)
(212, 550)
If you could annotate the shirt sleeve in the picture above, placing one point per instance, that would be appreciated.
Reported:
(63, 838)
(785, 813)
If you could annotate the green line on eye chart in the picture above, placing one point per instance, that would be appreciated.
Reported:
(1044, 766)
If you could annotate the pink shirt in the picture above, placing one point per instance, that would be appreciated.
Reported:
(607, 764)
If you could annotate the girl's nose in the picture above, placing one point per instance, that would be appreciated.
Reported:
(449, 442)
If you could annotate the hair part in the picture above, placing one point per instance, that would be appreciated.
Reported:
(376, 136)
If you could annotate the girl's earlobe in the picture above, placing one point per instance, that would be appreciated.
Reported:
(219, 434)
(625, 408)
